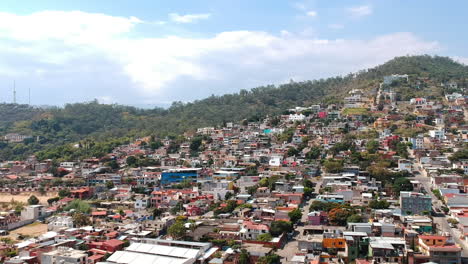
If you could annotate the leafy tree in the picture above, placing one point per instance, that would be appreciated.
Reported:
(177, 208)
(83, 246)
(372, 146)
(228, 196)
(279, 227)
(338, 216)
(32, 200)
(402, 149)
(155, 144)
(323, 206)
(157, 212)
(42, 190)
(79, 206)
(402, 184)
(177, 230)
(459, 155)
(295, 215)
(196, 143)
(64, 193)
(355, 218)
(308, 191)
(292, 152)
(110, 185)
(379, 204)
(269, 259)
(113, 164)
(265, 237)
(314, 153)
(132, 161)
(333, 166)
(80, 219)
(244, 257)
(50, 201)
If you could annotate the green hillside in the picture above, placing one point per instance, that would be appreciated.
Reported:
(100, 127)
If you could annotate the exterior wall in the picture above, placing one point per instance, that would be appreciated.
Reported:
(338, 243)
(177, 177)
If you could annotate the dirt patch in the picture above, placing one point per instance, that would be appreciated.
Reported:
(32, 230)
(23, 197)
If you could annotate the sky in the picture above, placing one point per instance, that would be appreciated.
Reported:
(150, 53)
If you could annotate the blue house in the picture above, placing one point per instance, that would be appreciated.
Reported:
(174, 176)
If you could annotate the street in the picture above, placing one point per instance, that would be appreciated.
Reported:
(441, 221)
(291, 247)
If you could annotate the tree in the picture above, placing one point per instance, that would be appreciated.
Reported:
(292, 152)
(355, 218)
(113, 164)
(132, 161)
(323, 206)
(269, 259)
(402, 149)
(64, 193)
(279, 227)
(402, 184)
(32, 200)
(155, 144)
(452, 221)
(177, 208)
(338, 216)
(459, 155)
(177, 230)
(333, 166)
(109, 185)
(308, 191)
(265, 237)
(157, 212)
(228, 196)
(80, 219)
(314, 153)
(83, 246)
(244, 257)
(50, 201)
(79, 206)
(196, 143)
(42, 190)
(379, 204)
(372, 146)
(295, 215)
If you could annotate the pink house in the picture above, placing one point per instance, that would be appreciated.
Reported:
(317, 218)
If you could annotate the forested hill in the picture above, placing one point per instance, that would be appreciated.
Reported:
(105, 126)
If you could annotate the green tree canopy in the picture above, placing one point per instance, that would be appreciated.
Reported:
(177, 230)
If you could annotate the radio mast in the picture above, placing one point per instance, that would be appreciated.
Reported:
(14, 92)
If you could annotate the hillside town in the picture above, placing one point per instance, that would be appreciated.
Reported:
(377, 177)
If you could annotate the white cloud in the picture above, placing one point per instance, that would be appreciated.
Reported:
(72, 45)
(360, 11)
(189, 18)
(463, 60)
(336, 26)
(311, 13)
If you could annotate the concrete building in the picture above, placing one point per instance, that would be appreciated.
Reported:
(179, 175)
(163, 251)
(33, 212)
(413, 203)
(64, 255)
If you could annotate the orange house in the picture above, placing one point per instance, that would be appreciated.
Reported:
(337, 242)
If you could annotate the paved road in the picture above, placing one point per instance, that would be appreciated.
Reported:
(291, 247)
(441, 221)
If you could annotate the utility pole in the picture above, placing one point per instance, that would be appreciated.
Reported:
(29, 96)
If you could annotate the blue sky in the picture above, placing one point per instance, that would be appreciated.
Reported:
(148, 53)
